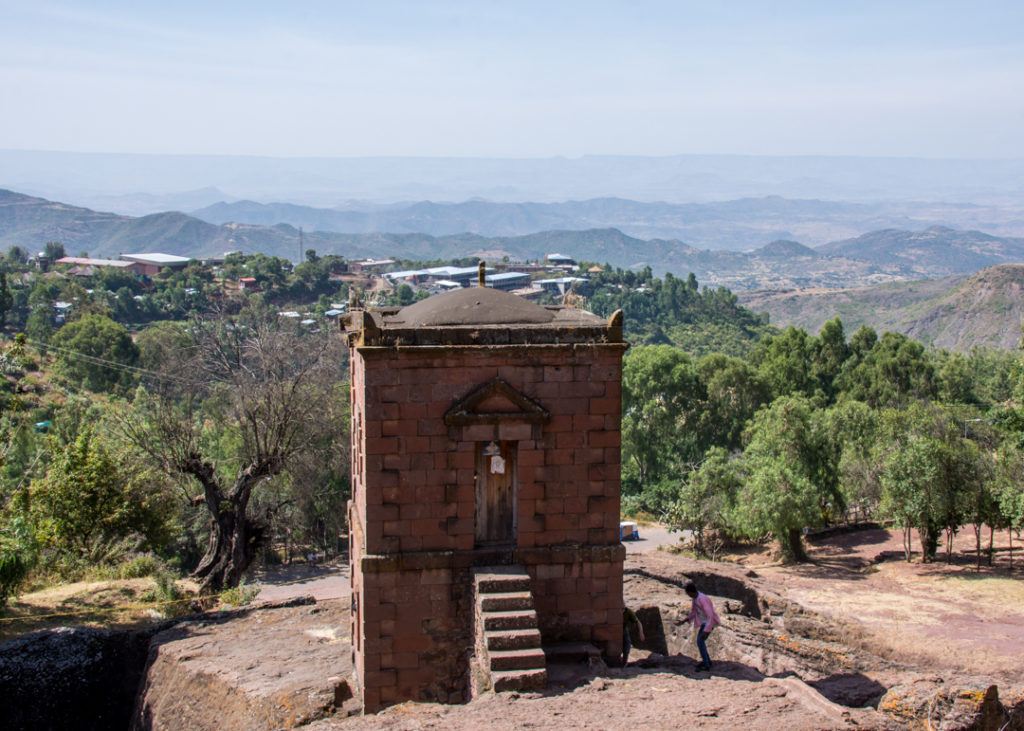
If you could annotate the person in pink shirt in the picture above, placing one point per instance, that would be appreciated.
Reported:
(704, 616)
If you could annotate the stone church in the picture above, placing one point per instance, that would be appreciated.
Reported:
(484, 520)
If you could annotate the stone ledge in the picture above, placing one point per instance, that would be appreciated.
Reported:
(426, 560)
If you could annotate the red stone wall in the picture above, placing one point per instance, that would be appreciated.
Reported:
(413, 506)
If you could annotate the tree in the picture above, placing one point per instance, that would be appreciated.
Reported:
(894, 373)
(1010, 488)
(706, 500)
(96, 352)
(735, 391)
(785, 361)
(830, 354)
(88, 493)
(6, 299)
(54, 250)
(926, 469)
(660, 393)
(237, 407)
(853, 427)
(790, 462)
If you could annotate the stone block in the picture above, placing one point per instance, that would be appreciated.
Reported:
(550, 506)
(515, 432)
(529, 489)
(431, 427)
(558, 456)
(569, 440)
(414, 510)
(587, 456)
(605, 438)
(382, 445)
(605, 405)
(573, 405)
(383, 512)
(586, 422)
(395, 461)
(410, 543)
(413, 444)
(389, 394)
(550, 571)
(479, 432)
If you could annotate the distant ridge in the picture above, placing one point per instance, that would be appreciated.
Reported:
(29, 222)
(786, 248)
(945, 250)
(957, 312)
(735, 225)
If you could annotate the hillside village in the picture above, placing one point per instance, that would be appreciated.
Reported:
(165, 286)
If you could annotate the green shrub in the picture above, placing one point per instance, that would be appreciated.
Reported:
(13, 569)
(143, 564)
(240, 595)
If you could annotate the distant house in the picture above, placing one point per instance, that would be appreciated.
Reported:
(560, 260)
(248, 284)
(463, 276)
(60, 312)
(149, 265)
(83, 266)
(372, 265)
(561, 285)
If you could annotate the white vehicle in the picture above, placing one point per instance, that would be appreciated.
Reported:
(628, 531)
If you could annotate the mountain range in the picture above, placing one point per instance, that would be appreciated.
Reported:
(871, 258)
(924, 283)
(115, 181)
(736, 225)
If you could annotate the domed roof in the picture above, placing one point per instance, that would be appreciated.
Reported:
(471, 306)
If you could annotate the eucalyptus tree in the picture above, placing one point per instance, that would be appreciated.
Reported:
(660, 435)
(790, 463)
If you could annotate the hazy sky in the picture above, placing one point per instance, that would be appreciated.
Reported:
(514, 79)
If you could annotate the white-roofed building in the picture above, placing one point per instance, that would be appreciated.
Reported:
(508, 281)
(149, 265)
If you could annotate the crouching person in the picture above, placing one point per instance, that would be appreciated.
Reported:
(705, 618)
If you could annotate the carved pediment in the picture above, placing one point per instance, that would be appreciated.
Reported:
(495, 403)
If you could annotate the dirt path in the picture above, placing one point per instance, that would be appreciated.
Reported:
(652, 537)
(328, 580)
(946, 615)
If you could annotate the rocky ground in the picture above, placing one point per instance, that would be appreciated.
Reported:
(856, 639)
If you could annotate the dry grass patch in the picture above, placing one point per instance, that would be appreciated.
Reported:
(106, 604)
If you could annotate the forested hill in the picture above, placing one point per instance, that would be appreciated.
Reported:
(955, 312)
(675, 311)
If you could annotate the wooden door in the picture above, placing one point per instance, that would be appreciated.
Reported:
(496, 494)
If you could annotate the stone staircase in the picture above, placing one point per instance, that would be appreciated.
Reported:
(508, 646)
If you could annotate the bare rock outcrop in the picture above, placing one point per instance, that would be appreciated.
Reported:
(959, 704)
(79, 678)
(278, 667)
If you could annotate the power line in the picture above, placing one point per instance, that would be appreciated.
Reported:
(96, 360)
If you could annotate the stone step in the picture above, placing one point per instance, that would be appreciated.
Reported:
(512, 639)
(505, 601)
(570, 652)
(501, 580)
(516, 659)
(523, 619)
(521, 680)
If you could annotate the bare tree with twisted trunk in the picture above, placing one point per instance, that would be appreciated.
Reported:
(250, 381)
